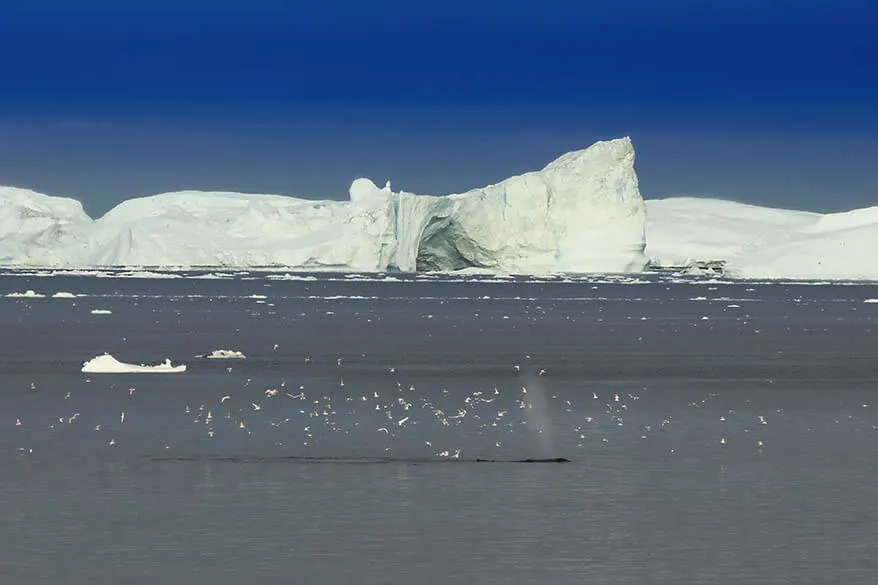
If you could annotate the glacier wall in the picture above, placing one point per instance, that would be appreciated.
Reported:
(581, 213)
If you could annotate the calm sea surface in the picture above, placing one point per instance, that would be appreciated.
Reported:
(378, 431)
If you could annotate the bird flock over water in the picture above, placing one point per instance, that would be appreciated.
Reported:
(395, 415)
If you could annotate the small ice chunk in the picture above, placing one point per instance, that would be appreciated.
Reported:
(225, 354)
(101, 312)
(107, 364)
(63, 295)
(28, 294)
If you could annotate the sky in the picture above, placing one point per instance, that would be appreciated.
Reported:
(773, 103)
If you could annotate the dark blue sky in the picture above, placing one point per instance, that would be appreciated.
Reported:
(766, 102)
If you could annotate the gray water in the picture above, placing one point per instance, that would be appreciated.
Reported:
(715, 432)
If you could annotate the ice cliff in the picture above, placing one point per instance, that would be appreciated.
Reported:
(582, 213)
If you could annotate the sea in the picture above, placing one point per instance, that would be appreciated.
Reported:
(437, 429)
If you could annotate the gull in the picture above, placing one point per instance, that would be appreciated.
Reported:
(18, 422)
(224, 398)
(130, 392)
(275, 347)
(402, 421)
(112, 442)
(383, 429)
(67, 396)
(73, 418)
(255, 406)
(122, 418)
(542, 372)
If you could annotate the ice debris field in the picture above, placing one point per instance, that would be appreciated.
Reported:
(582, 213)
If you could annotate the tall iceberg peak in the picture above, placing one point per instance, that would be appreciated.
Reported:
(581, 213)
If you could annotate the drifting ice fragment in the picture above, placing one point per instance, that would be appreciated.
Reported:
(225, 354)
(107, 364)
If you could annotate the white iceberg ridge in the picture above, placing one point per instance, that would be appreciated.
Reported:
(759, 242)
(583, 212)
(107, 364)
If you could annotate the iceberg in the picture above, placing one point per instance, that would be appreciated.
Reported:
(107, 364)
(583, 212)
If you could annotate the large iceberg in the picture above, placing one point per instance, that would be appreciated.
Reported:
(582, 213)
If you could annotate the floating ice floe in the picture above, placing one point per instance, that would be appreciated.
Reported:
(63, 295)
(224, 354)
(875, 301)
(107, 364)
(101, 312)
(28, 294)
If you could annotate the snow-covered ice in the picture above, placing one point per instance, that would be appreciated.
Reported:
(63, 295)
(107, 364)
